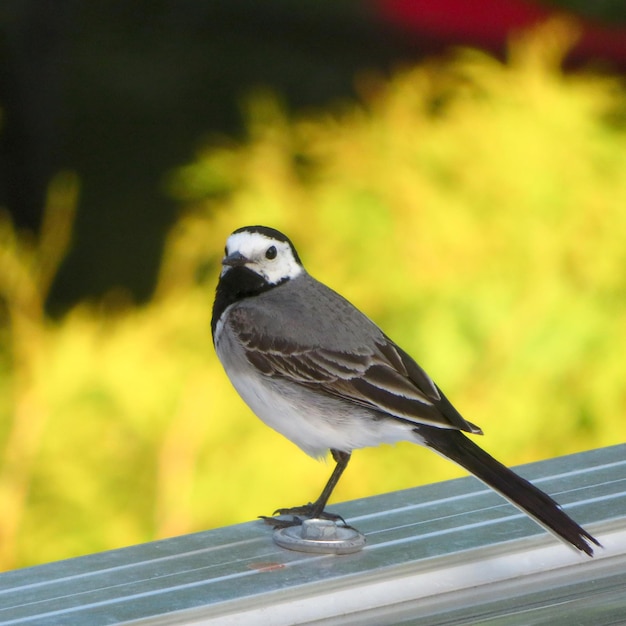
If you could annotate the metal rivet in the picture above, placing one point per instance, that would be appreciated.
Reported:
(320, 536)
(319, 529)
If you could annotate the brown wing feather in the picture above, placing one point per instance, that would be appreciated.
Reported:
(383, 378)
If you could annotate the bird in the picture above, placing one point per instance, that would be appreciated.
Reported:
(317, 370)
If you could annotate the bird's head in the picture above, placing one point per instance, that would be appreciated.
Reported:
(264, 251)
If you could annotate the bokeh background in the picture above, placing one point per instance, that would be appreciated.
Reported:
(457, 172)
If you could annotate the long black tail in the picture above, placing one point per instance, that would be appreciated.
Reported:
(540, 506)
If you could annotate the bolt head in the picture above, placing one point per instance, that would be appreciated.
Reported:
(319, 529)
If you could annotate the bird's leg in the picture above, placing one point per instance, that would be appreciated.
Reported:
(314, 509)
(341, 458)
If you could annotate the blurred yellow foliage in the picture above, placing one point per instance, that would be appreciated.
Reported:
(474, 209)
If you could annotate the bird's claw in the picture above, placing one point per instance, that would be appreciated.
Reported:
(277, 523)
(299, 514)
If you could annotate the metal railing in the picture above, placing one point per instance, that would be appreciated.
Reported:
(448, 553)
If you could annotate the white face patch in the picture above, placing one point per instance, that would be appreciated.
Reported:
(254, 247)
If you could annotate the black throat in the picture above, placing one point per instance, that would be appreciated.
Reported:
(237, 284)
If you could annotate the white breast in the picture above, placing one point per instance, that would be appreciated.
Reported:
(315, 422)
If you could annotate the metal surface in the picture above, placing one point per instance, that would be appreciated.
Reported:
(449, 553)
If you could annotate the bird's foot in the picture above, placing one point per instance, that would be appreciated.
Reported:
(298, 515)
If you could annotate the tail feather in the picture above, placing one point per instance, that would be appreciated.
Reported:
(520, 492)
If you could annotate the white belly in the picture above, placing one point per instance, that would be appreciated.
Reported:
(313, 421)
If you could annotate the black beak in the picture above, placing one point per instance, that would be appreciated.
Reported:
(236, 259)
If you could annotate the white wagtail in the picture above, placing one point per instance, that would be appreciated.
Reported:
(317, 370)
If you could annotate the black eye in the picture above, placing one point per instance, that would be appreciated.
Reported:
(226, 251)
(271, 253)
